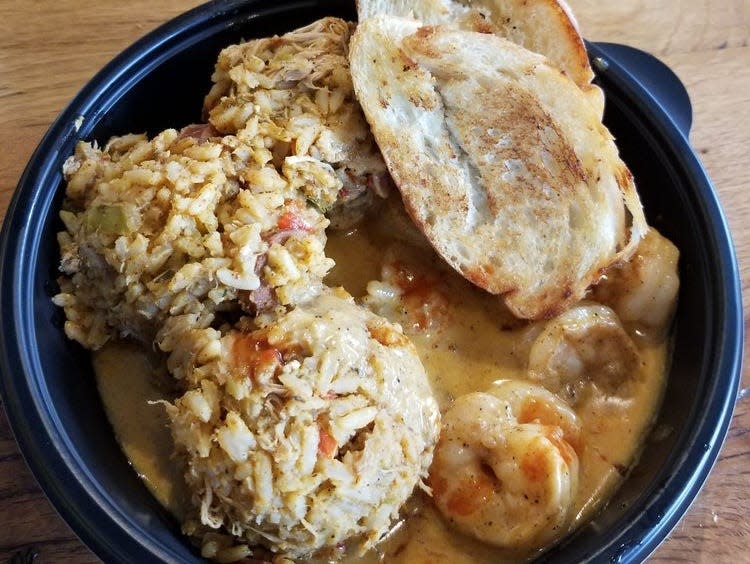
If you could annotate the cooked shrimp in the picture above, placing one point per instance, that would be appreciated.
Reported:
(585, 350)
(410, 291)
(643, 291)
(504, 470)
(530, 403)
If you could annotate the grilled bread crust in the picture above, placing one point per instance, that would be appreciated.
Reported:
(500, 160)
(547, 27)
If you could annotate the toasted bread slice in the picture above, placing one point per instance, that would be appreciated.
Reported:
(547, 27)
(499, 158)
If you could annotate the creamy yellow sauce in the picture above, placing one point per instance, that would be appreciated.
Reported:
(127, 384)
(475, 343)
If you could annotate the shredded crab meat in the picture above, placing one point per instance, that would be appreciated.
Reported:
(298, 89)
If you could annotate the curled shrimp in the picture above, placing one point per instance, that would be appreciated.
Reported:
(505, 469)
(643, 291)
(584, 351)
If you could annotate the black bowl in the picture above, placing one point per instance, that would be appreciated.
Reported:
(47, 381)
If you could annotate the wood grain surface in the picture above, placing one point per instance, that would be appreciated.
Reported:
(51, 48)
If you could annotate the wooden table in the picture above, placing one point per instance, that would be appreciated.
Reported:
(50, 48)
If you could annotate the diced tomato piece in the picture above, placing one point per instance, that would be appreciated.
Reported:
(327, 444)
(292, 221)
(252, 354)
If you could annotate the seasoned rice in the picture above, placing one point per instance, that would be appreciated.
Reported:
(304, 420)
(180, 225)
(306, 433)
(300, 87)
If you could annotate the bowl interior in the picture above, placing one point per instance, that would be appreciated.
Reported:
(168, 92)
